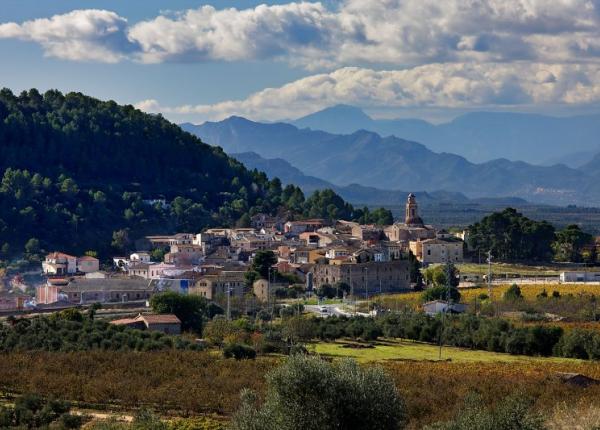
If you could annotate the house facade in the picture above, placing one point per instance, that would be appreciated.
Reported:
(211, 286)
(437, 251)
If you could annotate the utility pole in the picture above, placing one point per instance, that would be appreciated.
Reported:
(228, 301)
(448, 304)
(367, 287)
(489, 279)
(270, 297)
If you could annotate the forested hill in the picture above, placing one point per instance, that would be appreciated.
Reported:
(101, 143)
(78, 174)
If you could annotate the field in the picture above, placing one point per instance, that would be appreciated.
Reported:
(503, 269)
(397, 350)
(468, 295)
(191, 383)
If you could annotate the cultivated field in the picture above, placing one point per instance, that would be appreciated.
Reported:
(401, 350)
(468, 295)
(192, 383)
(504, 269)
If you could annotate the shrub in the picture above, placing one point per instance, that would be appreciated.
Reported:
(513, 413)
(440, 292)
(513, 293)
(239, 351)
(308, 393)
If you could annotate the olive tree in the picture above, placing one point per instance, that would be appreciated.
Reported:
(307, 393)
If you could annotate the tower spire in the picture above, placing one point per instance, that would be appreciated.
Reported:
(412, 217)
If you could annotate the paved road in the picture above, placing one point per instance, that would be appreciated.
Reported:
(329, 310)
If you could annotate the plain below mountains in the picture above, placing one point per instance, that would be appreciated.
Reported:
(478, 136)
(392, 163)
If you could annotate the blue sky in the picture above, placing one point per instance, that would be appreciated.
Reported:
(199, 60)
(129, 82)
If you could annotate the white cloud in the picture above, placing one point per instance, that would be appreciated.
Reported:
(454, 85)
(230, 34)
(401, 33)
(81, 35)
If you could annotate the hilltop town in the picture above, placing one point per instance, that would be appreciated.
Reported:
(309, 255)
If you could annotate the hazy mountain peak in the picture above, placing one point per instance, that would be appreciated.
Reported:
(342, 119)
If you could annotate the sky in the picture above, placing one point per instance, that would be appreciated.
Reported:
(276, 60)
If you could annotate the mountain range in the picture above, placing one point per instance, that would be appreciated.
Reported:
(353, 193)
(392, 163)
(478, 136)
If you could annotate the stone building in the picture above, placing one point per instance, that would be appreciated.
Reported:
(374, 276)
(432, 251)
(211, 286)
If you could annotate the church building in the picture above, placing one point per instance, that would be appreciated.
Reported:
(413, 227)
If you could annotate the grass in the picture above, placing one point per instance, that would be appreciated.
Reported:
(508, 269)
(395, 350)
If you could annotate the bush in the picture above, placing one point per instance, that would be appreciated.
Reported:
(239, 351)
(440, 292)
(307, 393)
(513, 293)
(513, 413)
(200, 423)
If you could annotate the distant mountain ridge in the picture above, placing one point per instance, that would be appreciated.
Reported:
(478, 136)
(353, 193)
(391, 163)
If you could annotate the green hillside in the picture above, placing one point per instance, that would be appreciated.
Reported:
(77, 174)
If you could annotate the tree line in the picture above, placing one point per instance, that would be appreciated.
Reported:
(511, 237)
(70, 330)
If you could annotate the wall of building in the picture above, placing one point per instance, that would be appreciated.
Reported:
(375, 276)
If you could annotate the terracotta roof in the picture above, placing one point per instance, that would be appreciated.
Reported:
(159, 319)
(124, 321)
(59, 255)
(87, 257)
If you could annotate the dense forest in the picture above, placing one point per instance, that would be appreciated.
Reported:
(82, 174)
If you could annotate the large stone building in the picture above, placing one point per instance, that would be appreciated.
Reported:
(432, 251)
(413, 227)
(211, 286)
(108, 290)
(374, 276)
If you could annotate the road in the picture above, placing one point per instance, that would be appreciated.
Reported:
(331, 310)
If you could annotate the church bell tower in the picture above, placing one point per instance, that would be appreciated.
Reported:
(412, 217)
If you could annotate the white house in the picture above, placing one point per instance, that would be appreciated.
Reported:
(441, 306)
(57, 263)
(140, 257)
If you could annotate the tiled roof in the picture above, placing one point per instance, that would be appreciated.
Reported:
(87, 258)
(159, 319)
(124, 321)
(108, 284)
(54, 255)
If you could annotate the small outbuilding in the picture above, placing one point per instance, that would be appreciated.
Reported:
(166, 323)
(441, 306)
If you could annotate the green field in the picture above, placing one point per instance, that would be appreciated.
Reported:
(508, 269)
(418, 351)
